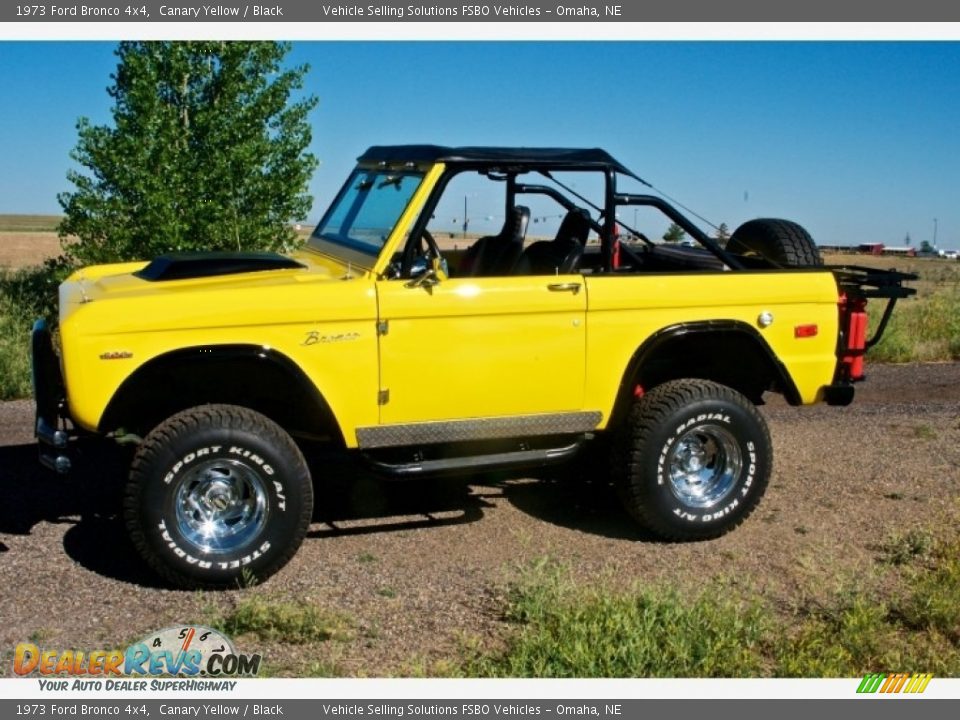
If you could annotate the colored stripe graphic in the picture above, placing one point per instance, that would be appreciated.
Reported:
(894, 683)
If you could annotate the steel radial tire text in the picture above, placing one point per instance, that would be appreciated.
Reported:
(782, 241)
(692, 460)
(218, 496)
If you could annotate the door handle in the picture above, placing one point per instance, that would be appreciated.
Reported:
(564, 287)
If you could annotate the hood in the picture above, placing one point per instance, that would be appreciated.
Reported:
(194, 290)
(183, 266)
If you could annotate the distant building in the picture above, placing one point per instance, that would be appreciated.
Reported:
(904, 250)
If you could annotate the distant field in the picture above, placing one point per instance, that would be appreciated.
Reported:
(935, 273)
(29, 223)
(28, 239)
(24, 248)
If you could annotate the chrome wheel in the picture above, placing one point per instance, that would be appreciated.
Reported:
(221, 505)
(704, 465)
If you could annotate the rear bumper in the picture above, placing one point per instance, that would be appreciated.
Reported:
(50, 396)
(839, 394)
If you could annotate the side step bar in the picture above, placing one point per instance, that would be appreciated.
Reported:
(475, 463)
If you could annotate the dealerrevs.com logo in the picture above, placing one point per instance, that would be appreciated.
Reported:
(893, 683)
(185, 651)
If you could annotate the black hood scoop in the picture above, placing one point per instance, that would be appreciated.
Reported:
(183, 266)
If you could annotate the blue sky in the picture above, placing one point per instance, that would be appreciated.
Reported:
(857, 141)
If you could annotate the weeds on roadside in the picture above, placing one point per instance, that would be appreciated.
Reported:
(562, 629)
(925, 328)
(933, 603)
(14, 351)
(25, 295)
(901, 548)
(570, 631)
(275, 621)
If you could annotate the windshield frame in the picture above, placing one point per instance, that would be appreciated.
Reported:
(380, 178)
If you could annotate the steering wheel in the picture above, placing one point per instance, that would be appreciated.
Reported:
(424, 247)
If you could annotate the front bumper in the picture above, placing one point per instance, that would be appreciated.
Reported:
(49, 393)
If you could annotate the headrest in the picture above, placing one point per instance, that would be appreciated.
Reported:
(574, 227)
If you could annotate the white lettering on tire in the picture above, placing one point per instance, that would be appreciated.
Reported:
(206, 564)
(252, 457)
(187, 459)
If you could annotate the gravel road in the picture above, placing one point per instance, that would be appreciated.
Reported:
(414, 568)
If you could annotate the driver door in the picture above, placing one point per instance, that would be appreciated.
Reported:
(481, 347)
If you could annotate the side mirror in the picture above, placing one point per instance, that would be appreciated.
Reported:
(439, 267)
(427, 279)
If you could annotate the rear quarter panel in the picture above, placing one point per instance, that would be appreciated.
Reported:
(625, 310)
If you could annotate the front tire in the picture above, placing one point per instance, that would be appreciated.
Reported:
(218, 496)
(693, 460)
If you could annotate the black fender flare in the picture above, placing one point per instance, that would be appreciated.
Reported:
(712, 330)
(233, 373)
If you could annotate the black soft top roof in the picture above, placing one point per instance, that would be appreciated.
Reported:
(569, 158)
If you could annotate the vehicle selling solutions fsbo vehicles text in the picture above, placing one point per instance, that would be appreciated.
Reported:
(463, 11)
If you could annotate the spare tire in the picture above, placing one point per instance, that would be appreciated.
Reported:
(780, 241)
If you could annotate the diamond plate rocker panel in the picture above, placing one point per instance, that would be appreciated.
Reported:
(427, 433)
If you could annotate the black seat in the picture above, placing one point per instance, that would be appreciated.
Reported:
(497, 254)
(560, 255)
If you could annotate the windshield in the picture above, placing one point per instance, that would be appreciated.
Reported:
(367, 208)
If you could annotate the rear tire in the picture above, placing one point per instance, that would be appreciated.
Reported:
(781, 241)
(693, 460)
(219, 496)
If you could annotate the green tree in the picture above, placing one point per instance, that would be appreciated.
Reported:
(206, 152)
(674, 234)
(723, 234)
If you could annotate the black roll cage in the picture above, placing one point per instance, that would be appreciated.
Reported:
(603, 226)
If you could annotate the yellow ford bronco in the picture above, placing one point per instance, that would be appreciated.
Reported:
(457, 309)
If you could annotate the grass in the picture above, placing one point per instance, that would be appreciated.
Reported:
(922, 329)
(313, 634)
(933, 604)
(902, 548)
(902, 616)
(924, 432)
(570, 631)
(25, 295)
(14, 351)
(274, 621)
(925, 327)
(908, 622)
